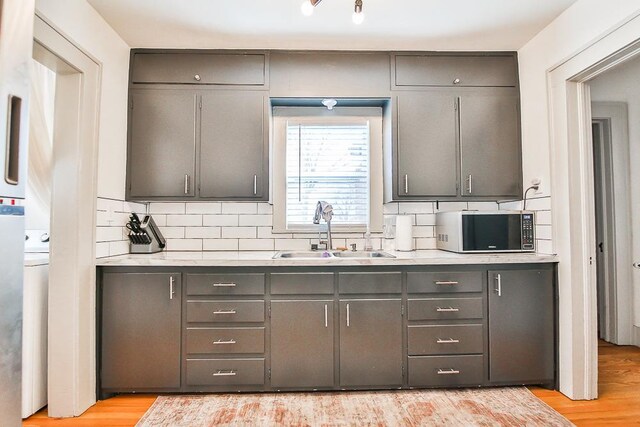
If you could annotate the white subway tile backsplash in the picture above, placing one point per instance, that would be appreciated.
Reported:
(202, 232)
(292, 244)
(539, 204)
(102, 249)
(415, 207)
(220, 244)
(423, 231)
(544, 247)
(267, 233)
(109, 234)
(220, 220)
(425, 243)
(160, 220)
(208, 208)
(172, 232)
(166, 208)
(543, 217)
(390, 208)
(138, 208)
(451, 206)
(256, 244)
(265, 209)
(255, 220)
(184, 220)
(239, 208)
(482, 206)
(426, 219)
(118, 248)
(239, 232)
(184, 244)
(543, 232)
(511, 206)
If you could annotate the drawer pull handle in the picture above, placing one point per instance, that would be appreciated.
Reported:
(448, 372)
(447, 341)
(446, 282)
(224, 342)
(225, 374)
(447, 310)
(224, 285)
(225, 312)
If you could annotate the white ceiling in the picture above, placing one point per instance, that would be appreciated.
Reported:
(279, 24)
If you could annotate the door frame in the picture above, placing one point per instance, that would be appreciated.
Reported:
(571, 157)
(72, 272)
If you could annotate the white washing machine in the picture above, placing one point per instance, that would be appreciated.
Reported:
(35, 322)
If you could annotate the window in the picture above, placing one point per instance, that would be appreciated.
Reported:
(330, 156)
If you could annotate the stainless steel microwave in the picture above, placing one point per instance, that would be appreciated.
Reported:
(485, 231)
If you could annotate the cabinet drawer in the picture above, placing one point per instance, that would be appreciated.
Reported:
(225, 372)
(182, 68)
(370, 283)
(447, 339)
(225, 340)
(445, 371)
(225, 311)
(444, 282)
(442, 70)
(225, 284)
(445, 308)
(302, 283)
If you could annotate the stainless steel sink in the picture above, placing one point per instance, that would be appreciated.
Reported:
(376, 254)
(303, 255)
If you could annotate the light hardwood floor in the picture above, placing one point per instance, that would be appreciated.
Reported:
(619, 401)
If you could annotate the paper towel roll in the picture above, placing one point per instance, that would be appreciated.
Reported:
(404, 233)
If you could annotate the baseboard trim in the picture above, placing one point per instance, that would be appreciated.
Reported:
(636, 336)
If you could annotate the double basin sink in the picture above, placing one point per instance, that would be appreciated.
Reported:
(330, 255)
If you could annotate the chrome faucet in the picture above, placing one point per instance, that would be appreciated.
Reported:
(324, 211)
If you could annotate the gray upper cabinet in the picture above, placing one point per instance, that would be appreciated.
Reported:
(302, 344)
(162, 143)
(234, 145)
(140, 346)
(371, 342)
(521, 326)
(448, 70)
(199, 68)
(427, 145)
(490, 144)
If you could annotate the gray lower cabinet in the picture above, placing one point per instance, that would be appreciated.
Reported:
(162, 144)
(521, 326)
(427, 150)
(371, 342)
(140, 331)
(233, 147)
(490, 144)
(302, 344)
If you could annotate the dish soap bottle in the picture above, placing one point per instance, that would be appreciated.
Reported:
(367, 241)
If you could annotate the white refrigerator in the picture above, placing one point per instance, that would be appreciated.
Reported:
(16, 43)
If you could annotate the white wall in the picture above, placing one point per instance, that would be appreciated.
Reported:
(621, 84)
(80, 23)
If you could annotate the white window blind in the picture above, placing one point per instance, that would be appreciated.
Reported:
(327, 162)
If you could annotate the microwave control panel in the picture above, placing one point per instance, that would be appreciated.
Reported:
(527, 231)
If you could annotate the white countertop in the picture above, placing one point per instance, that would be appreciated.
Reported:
(264, 259)
(35, 259)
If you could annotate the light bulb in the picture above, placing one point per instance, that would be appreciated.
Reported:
(358, 18)
(306, 8)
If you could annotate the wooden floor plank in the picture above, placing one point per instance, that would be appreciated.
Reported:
(619, 402)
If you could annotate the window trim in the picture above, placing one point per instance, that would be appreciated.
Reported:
(311, 115)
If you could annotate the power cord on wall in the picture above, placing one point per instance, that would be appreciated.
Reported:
(533, 187)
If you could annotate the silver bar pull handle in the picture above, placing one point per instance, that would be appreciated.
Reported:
(225, 374)
(326, 316)
(448, 372)
(224, 312)
(224, 285)
(348, 316)
(186, 184)
(406, 184)
(499, 283)
(446, 282)
(171, 291)
(14, 139)
(447, 341)
(470, 184)
(221, 342)
(255, 184)
(447, 310)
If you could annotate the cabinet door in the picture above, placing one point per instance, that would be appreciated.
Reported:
(302, 344)
(141, 330)
(427, 146)
(490, 144)
(232, 158)
(521, 326)
(370, 343)
(162, 143)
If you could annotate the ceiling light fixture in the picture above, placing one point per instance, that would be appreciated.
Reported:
(308, 7)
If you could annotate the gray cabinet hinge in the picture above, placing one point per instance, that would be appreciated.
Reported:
(455, 105)
(269, 311)
(402, 367)
(131, 104)
(200, 103)
(402, 309)
(269, 373)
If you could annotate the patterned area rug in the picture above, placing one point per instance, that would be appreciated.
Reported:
(470, 407)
